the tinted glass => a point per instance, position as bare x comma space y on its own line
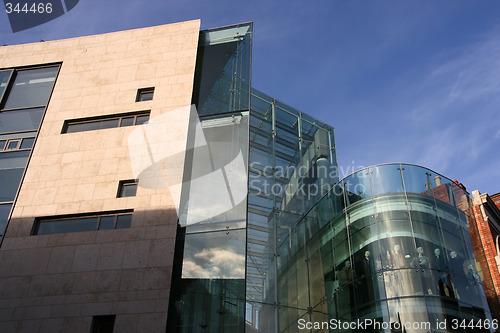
15, 159
141, 120
128, 190
4, 78
93, 125
67, 225
27, 143
145, 96
123, 221
13, 144
31, 88
107, 222
4, 214
9, 180
127, 121
2, 144
20, 120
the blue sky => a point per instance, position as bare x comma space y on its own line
401, 81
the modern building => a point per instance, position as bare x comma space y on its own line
146, 187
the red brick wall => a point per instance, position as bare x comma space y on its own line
484, 247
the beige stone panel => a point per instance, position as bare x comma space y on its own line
69, 170
25, 198
64, 194
91, 206
46, 210
44, 196
68, 208
89, 169
105, 190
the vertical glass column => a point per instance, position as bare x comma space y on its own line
209, 263
292, 164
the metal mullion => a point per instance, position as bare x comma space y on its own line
23, 108
7, 86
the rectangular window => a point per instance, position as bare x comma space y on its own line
145, 94
127, 188
31, 87
21, 120
103, 122
103, 324
82, 222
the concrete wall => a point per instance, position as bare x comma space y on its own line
56, 283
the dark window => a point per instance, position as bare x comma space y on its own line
4, 79
20, 120
27, 143
145, 94
31, 87
13, 144
127, 188
87, 222
4, 214
111, 121
16, 144
103, 324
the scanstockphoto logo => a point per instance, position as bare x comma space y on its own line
26, 14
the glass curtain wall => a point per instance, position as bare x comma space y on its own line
209, 263
388, 243
292, 163
24, 95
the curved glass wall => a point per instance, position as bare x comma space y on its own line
388, 243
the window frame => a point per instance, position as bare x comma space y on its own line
64, 218
127, 182
95, 119
143, 91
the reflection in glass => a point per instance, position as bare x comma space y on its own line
67, 225
215, 255
20, 120
4, 79
394, 256
4, 215
32, 87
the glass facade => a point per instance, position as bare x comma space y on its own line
292, 163
388, 243
24, 94
209, 263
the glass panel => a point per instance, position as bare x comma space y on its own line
386, 179
218, 169
9, 180
67, 225
20, 120
128, 190
15, 159
27, 143
31, 88
215, 255
2, 144
4, 80
145, 96
141, 119
107, 222
92, 125
4, 215
127, 121
223, 70
123, 221
417, 179
13, 144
